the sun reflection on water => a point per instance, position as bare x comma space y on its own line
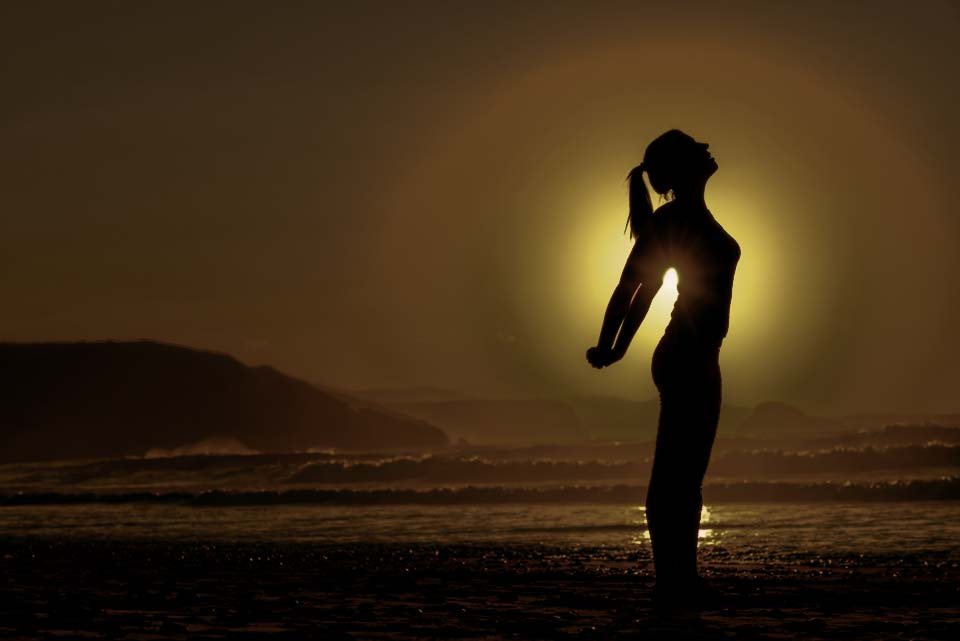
705, 536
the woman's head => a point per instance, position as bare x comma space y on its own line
676, 164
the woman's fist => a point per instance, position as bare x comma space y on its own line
600, 357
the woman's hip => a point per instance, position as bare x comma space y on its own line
679, 363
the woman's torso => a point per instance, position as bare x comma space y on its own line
705, 256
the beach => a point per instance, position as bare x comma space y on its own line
141, 589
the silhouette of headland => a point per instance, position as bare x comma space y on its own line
104, 399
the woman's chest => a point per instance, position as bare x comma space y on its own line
702, 246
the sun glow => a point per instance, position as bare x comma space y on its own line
583, 264
600, 248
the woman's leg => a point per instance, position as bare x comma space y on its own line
703, 431
689, 388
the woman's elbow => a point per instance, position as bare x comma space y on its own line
627, 287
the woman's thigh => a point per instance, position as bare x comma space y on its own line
690, 393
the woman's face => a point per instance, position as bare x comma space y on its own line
702, 159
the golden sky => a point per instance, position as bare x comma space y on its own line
393, 194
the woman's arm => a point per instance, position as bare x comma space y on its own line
617, 310
635, 315
626, 310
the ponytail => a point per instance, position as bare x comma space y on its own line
641, 208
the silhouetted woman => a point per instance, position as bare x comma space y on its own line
682, 234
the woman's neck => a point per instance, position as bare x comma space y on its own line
692, 199
692, 194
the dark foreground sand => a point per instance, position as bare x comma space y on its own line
73, 589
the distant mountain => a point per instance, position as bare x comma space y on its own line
477, 420
80, 400
876, 421
611, 418
566, 420
486, 421
500, 421
774, 419
617, 419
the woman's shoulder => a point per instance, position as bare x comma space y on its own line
665, 215
665, 209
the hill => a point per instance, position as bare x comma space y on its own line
97, 399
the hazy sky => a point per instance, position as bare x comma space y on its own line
432, 193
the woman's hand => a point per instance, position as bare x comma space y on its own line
601, 357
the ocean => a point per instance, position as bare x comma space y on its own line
836, 500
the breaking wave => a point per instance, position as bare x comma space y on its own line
168, 471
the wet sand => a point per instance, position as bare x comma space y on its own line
162, 590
